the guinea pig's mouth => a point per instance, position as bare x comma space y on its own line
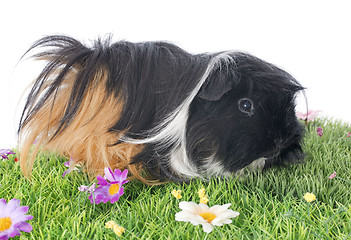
284, 153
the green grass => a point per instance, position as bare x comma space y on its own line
271, 203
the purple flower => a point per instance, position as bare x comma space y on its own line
5, 152
13, 219
320, 131
110, 188
71, 164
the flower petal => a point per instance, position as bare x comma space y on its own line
101, 181
102, 190
121, 191
123, 182
197, 219
109, 174
203, 207
207, 227
184, 216
220, 208
229, 214
19, 214
124, 175
12, 232
225, 217
115, 198
3, 203
3, 236
95, 198
12, 205
25, 227
220, 222
117, 175
189, 206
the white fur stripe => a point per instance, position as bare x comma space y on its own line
181, 165
173, 128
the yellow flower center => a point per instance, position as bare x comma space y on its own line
5, 223
113, 189
208, 216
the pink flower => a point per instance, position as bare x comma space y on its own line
309, 116
348, 134
83, 188
110, 188
13, 219
333, 175
320, 131
90, 189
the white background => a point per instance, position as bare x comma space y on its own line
309, 39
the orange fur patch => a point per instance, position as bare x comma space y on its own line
86, 138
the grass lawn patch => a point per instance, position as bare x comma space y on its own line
271, 203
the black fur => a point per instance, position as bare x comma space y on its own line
154, 79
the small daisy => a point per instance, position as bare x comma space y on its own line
206, 216
13, 219
110, 188
5, 152
309, 197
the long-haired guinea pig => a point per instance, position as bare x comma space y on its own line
157, 110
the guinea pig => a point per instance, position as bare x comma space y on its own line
158, 111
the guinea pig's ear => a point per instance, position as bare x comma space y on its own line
217, 84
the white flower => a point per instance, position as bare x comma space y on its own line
206, 216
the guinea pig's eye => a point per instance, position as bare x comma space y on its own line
246, 106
